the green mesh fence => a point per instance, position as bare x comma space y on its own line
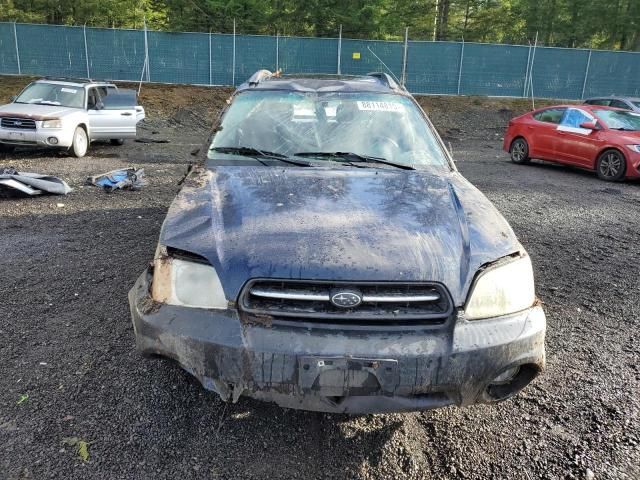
114, 54
433, 67
559, 72
308, 55
450, 68
51, 50
613, 73
8, 58
493, 69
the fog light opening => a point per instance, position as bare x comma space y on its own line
509, 382
52, 140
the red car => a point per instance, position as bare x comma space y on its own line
598, 138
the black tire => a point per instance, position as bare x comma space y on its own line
519, 151
117, 141
80, 143
611, 166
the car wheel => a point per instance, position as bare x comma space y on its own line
80, 143
519, 151
117, 141
611, 166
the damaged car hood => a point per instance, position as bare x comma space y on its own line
337, 224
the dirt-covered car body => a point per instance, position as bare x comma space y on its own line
69, 113
338, 289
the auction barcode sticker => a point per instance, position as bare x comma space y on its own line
68, 90
381, 106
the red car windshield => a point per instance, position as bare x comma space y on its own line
619, 120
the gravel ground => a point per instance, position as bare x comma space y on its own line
66, 340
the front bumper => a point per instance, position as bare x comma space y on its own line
39, 137
339, 371
633, 164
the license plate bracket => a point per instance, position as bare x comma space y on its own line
343, 372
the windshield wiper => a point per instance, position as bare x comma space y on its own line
625, 129
354, 157
257, 154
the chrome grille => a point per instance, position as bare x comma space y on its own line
385, 303
18, 123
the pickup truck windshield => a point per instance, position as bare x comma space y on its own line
368, 124
41, 93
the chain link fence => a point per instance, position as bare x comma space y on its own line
449, 68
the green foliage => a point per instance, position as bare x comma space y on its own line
570, 23
81, 446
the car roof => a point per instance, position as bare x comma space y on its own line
580, 105
614, 97
76, 82
373, 82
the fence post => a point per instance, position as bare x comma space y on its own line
404, 56
460, 68
526, 74
533, 59
586, 75
210, 82
277, 51
340, 50
233, 60
15, 36
146, 51
86, 49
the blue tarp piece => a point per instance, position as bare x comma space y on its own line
125, 178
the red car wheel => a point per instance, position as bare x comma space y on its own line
519, 151
611, 165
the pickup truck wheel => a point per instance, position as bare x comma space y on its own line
519, 151
611, 166
80, 143
117, 141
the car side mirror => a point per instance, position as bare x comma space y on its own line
589, 125
98, 106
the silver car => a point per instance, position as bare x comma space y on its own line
70, 114
628, 103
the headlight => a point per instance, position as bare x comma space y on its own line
635, 148
502, 289
185, 283
55, 123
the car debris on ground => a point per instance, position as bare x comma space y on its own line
12, 181
124, 178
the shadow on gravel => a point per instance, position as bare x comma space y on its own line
555, 167
260, 439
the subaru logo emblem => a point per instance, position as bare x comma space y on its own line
17, 122
346, 298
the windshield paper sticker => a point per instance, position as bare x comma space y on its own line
381, 106
69, 90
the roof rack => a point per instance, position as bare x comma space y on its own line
386, 79
69, 79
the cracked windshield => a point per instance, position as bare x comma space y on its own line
388, 127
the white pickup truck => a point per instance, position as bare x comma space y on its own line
69, 113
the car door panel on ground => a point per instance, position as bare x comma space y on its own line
542, 132
575, 144
114, 115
